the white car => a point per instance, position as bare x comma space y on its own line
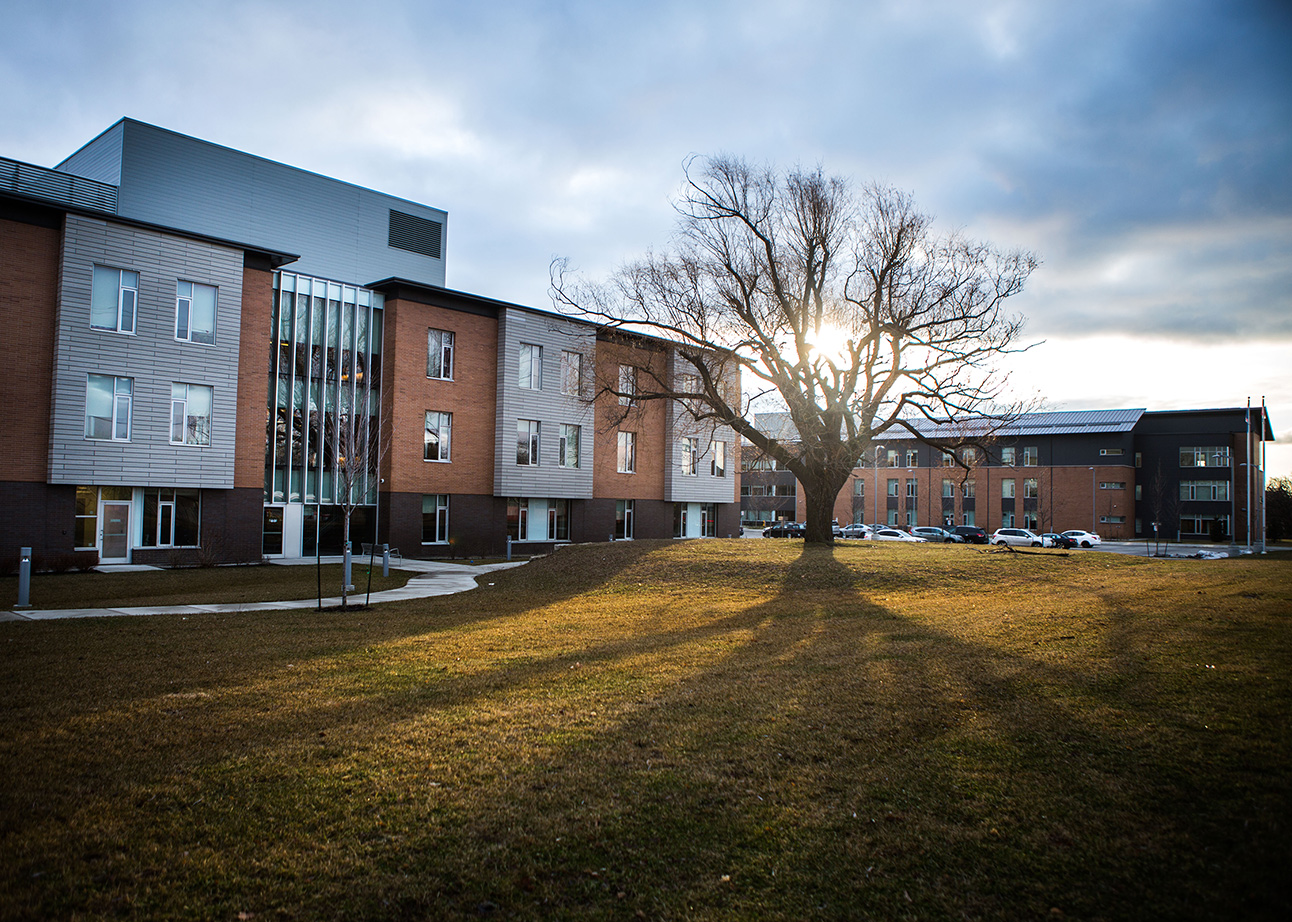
856, 531
933, 533
893, 534
1017, 537
1083, 538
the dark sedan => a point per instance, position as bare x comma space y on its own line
785, 530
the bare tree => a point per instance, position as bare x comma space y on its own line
843, 303
355, 437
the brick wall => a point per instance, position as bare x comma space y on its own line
646, 418
29, 257
255, 336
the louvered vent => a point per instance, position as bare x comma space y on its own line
417, 235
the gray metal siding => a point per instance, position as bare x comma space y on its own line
152, 357
549, 406
100, 159
339, 230
703, 487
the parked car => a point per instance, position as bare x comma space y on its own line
1083, 538
894, 534
856, 531
785, 530
972, 534
1055, 540
1017, 537
933, 533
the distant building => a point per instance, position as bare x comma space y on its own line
1195, 473
189, 322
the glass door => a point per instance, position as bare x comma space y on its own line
115, 547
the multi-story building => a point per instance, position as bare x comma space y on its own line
207, 343
1189, 473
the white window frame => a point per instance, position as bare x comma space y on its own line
627, 385
627, 452
689, 456
624, 514
189, 295
530, 367
1031, 456
571, 373
718, 462
1007, 488
439, 424
912, 457
440, 344
439, 503
528, 432
1031, 488
119, 422
121, 297
181, 419
568, 449
1007, 456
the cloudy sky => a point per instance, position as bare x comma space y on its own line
1142, 148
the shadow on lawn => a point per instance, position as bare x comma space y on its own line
811, 755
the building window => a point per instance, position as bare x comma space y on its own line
435, 518
969, 455
1206, 490
948, 459
571, 373
1007, 520
969, 517
1031, 456
527, 442
1113, 519
1139, 459
912, 457
518, 518
1031, 521
531, 367
967, 491
893, 458
1112, 485
558, 519
1201, 524
1007, 457
910, 518
718, 459
1213, 456
190, 414
912, 488
1031, 489
689, 456
709, 520
627, 385
114, 298
1007, 488
439, 354
627, 452
859, 488
568, 449
171, 518
623, 519
892, 486
87, 518
107, 407
1110, 452
439, 436
195, 312
948, 489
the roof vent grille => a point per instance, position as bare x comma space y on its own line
417, 235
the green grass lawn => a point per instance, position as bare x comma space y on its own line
657, 730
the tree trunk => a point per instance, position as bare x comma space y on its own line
345, 543
819, 494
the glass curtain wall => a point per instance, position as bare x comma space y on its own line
323, 420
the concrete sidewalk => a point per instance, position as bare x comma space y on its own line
433, 578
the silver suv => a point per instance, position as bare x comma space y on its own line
1017, 537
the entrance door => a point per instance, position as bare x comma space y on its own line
116, 533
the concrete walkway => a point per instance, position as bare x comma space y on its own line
433, 578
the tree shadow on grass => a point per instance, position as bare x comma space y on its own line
805, 753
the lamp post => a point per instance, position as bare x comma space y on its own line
1093, 513
878, 449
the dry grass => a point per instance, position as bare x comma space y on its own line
184, 587
700, 730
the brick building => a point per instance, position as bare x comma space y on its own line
192, 327
1195, 473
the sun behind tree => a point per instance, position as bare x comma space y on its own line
842, 302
